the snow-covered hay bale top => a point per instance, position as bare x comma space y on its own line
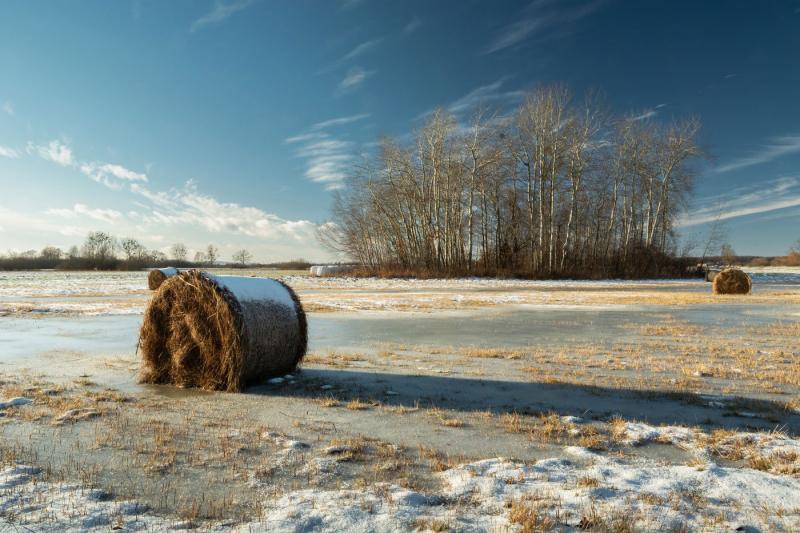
328, 270
221, 332
732, 281
158, 276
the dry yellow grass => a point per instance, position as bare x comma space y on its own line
357, 405
329, 402
530, 515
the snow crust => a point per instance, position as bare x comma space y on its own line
245, 288
651, 494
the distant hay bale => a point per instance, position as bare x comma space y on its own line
221, 332
158, 276
732, 281
328, 270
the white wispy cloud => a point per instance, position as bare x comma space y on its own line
187, 206
483, 95
8, 109
328, 159
7, 151
490, 93
301, 138
542, 18
354, 78
413, 25
220, 12
358, 51
514, 33
195, 212
775, 148
361, 49
777, 194
81, 210
645, 115
22, 222
341, 121
55, 151
110, 175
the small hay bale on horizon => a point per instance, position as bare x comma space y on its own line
732, 281
328, 270
221, 333
159, 275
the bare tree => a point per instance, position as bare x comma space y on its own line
51, 253
179, 251
553, 191
211, 254
717, 233
242, 257
99, 246
132, 248
158, 256
199, 257
727, 254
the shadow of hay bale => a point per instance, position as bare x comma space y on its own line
221, 332
732, 281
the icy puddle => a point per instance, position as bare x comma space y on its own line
71, 346
523, 325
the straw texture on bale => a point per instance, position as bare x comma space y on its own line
198, 333
732, 281
158, 276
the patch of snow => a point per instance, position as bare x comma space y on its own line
284, 441
474, 496
169, 271
13, 402
638, 433
245, 288
30, 504
76, 415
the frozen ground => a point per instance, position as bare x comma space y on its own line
430, 405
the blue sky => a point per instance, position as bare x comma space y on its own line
231, 121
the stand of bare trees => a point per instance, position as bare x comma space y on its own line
558, 188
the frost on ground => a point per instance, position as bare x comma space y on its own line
29, 504
579, 490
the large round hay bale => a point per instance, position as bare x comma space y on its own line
221, 332
732, 281
158, 276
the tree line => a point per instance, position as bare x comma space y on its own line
103, 251
559, 187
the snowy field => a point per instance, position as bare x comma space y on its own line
468, 405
